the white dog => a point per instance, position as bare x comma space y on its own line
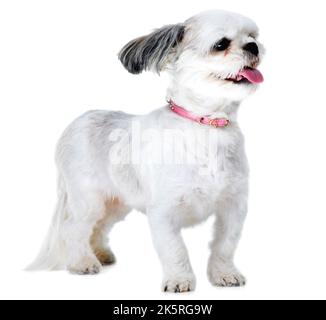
179, 164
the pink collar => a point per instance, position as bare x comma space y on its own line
217, 122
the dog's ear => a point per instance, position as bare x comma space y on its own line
152, 51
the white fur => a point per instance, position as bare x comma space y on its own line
101, 179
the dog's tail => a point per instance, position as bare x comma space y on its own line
51, 256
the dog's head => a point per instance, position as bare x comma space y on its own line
213, 55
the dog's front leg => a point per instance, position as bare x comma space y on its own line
227, 231
178, 274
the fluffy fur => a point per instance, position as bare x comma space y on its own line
176, 171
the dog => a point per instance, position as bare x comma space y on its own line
179, 164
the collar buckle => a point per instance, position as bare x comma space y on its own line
219, 123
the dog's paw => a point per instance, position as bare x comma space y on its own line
106, 257
179, 284
87, 266
227, 279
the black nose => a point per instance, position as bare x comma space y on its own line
252, 48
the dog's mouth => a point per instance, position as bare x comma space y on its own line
247, 75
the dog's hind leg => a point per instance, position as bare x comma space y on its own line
115, 212
84, 209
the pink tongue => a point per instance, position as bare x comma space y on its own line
252, 75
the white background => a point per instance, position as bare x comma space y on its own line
59, 59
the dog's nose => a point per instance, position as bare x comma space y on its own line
252, 48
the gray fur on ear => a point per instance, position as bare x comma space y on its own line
150, 52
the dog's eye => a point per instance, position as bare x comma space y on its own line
222, 45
